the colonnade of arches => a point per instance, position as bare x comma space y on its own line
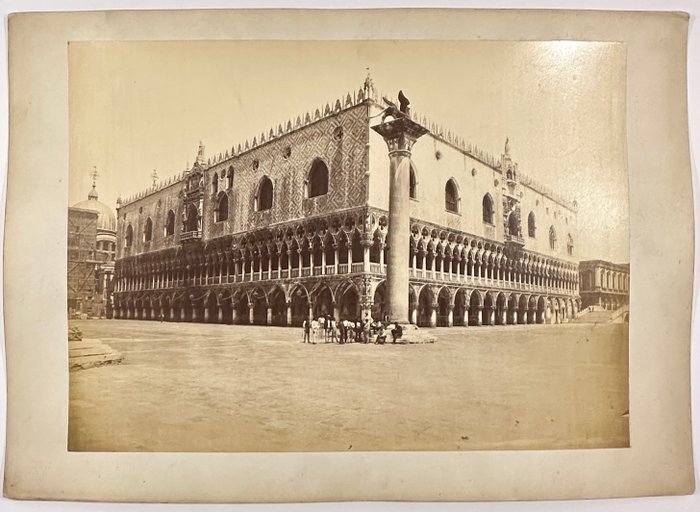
289, 305
353, 244
256, 305
434, 306
442, 255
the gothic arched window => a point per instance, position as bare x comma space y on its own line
570, 245
215, 184
170, 223
552, 238
129, 237
229, 176
513, 225
318, 178
451, 196
263, 199
487, 208
192, 218
148, 230
531, 226
412, 184
221, 212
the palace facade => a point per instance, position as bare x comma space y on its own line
294, 223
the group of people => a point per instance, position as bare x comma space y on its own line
326, 329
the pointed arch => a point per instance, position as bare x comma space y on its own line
451, 196
129, 237
264, 195
318, 178
148, 230
170, 223
229, 177
531, 225
487, 208
513, 224
221, 211
192, 218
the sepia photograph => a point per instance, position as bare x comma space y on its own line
347, 245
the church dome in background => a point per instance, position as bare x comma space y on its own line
106, 218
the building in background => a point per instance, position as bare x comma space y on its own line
294, 223
604, 284
92, 238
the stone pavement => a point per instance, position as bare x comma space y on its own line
197, 387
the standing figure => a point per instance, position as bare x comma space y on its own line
341, 328
306, 326
358, 331
314, 330
322, 325
333, 333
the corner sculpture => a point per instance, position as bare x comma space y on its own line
394, 110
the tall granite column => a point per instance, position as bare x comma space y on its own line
399, 134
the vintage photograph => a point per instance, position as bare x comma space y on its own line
311, 246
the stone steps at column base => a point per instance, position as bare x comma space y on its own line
412, 334
89, 353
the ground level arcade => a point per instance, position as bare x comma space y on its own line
288, 303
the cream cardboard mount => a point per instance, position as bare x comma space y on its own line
658, 460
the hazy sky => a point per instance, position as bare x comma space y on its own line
139, 106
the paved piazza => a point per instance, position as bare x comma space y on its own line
210, 387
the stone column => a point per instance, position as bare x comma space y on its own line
234, 313
335, 259
399, 134
433, 315
206, 314
171, 317
220, 316
366, 245
450, 315
289, 313
269, 316
251, 313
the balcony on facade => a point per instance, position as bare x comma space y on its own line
189, 236
439, 272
